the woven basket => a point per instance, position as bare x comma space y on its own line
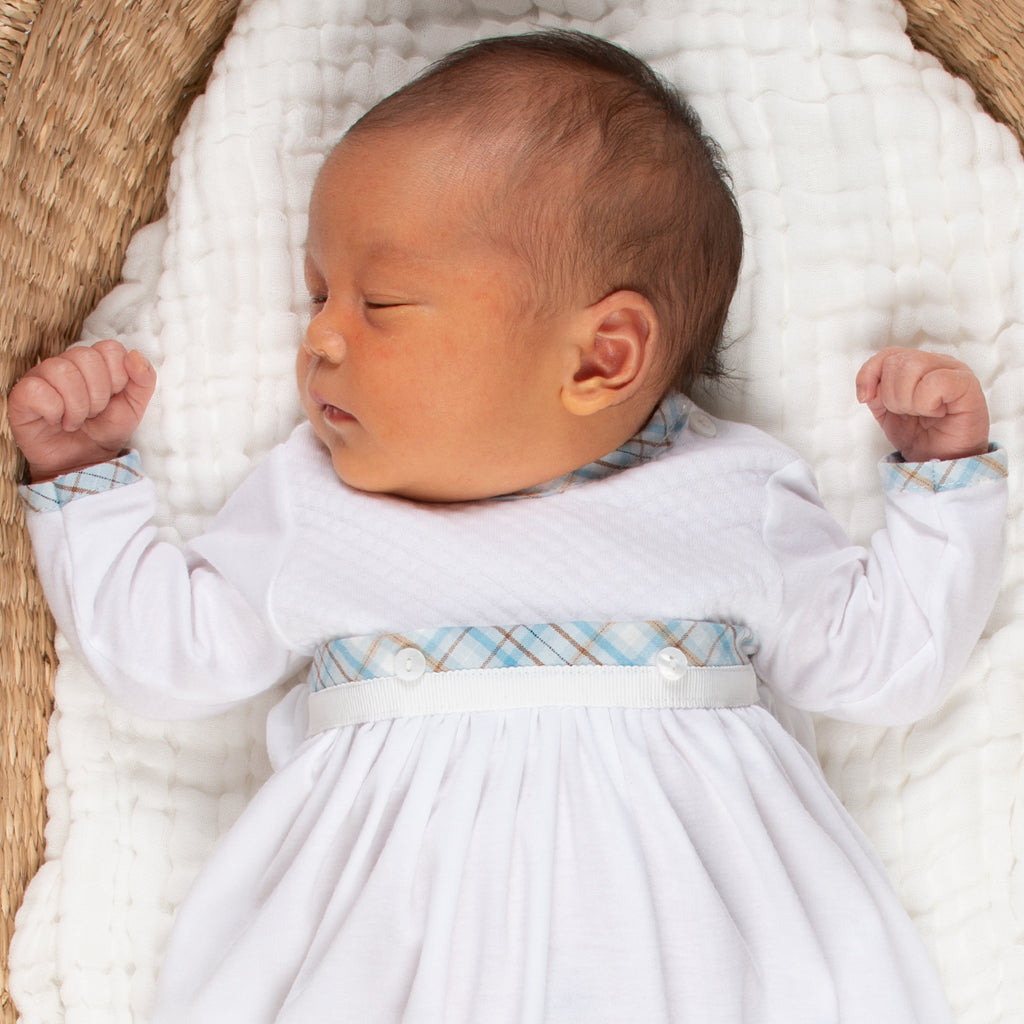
92, 94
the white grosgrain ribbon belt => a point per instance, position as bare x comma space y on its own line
511, 689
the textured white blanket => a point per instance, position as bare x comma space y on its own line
880, 206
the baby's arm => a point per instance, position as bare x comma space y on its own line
879, 634
79, 408
930, 406
171, 631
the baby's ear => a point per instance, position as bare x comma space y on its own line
613, 352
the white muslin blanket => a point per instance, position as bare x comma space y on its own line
881, 207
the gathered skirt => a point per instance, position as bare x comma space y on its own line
556, 865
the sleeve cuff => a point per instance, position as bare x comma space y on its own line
106, 476
935, 476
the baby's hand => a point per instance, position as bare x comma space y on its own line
80, 408
930, 406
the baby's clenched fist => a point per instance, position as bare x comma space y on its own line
79, 408
930, 406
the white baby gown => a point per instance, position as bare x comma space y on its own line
514, 824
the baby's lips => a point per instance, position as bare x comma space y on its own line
328, 409
335, 414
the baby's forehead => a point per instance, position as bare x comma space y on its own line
440, 180
477, 163
503, 167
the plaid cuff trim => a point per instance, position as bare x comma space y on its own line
106, 476
550, 644
935, 476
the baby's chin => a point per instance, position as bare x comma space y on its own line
362, 465
438, 490
375, 479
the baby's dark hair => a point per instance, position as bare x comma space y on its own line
611, 181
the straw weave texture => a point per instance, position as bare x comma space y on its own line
91, 96
982, 41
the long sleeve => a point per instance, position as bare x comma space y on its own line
170, 631
879, 634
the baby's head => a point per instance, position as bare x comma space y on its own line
565, 203
602, 179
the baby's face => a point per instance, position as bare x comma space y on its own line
420, 371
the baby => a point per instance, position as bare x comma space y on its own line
545, 604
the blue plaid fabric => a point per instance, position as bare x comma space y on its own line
932, 477
651, 441
55, 494
551, 644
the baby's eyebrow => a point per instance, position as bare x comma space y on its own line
382, 252
392, 253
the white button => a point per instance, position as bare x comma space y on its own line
410, 664
701, 423
671, 663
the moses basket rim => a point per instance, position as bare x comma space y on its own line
91, 96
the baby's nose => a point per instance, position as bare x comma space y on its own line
324, 342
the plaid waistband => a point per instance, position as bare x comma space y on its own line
697, 643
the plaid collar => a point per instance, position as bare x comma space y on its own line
653, 439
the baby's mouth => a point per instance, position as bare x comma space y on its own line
334, 415
331, 413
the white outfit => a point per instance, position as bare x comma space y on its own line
544, 863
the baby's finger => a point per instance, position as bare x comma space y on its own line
114, 355
869, 375
33, 399
902, 372
63, 375
941, 389
93, 367
140, 383
128, 407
